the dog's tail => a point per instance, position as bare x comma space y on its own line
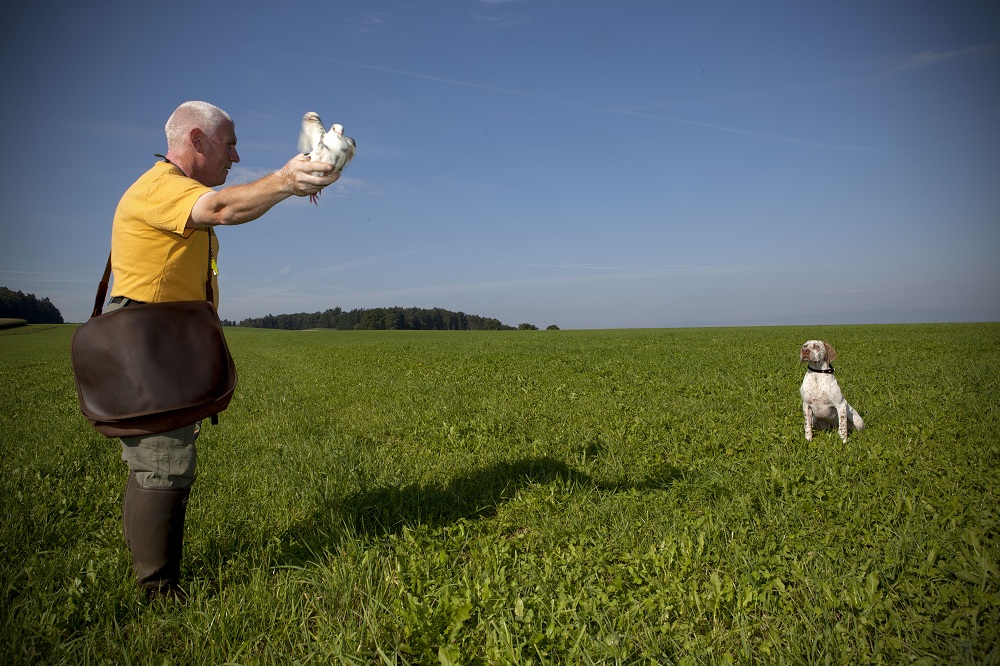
854, 420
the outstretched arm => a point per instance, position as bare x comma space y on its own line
242, 203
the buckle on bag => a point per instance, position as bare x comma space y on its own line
125, 301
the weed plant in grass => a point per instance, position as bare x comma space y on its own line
549, 497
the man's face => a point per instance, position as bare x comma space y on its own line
218, 153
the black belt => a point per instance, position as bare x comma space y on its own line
126, 301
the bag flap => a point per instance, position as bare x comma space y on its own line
147, 358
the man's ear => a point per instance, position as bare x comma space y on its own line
197, 138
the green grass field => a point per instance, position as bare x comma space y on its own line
548, 497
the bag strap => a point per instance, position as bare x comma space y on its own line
209, 294
102, 287
102, 290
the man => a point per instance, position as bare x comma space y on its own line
161, 247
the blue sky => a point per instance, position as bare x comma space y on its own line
580, 163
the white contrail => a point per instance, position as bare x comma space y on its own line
555, 100
598, 109
632, 269
374, 259
929, 58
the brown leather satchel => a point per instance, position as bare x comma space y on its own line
152, 367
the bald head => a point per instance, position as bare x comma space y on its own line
193, 115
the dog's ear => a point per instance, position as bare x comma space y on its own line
831, 353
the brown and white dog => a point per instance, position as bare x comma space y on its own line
823, 404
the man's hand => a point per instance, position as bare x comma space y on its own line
306, 177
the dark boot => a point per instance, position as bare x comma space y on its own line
153, 522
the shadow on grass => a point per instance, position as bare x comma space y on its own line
382, 511
478, 495
377, 512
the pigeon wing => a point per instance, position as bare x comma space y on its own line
312, 132
351, 147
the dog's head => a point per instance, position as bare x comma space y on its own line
817, 351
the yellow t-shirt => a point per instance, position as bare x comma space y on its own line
154, 258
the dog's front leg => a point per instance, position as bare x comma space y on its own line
842, 421
807, 413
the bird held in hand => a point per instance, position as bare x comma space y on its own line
323, 146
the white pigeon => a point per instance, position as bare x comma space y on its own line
322, 146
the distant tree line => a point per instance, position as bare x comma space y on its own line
378, 319
18, 305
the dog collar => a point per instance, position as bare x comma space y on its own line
828, 371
